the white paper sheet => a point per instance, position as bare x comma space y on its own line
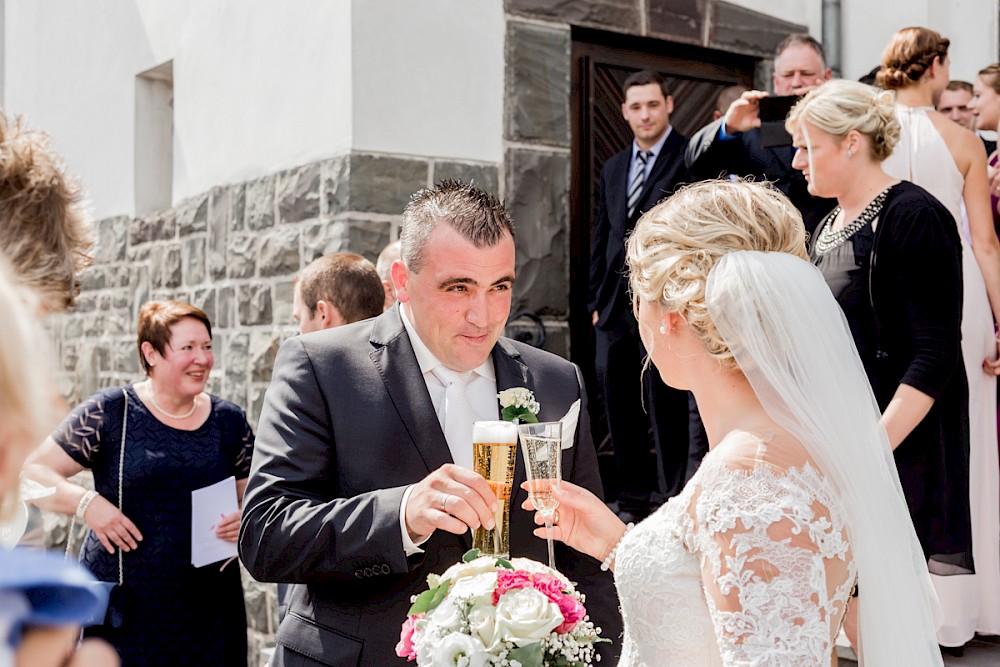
208, 506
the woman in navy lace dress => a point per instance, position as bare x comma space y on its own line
178, 438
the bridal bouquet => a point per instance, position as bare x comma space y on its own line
493, 612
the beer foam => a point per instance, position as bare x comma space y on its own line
494, 431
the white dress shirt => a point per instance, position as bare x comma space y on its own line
482, 393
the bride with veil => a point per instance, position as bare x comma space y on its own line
798, 500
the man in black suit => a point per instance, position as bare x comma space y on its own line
631, 183
740, 144
361, 483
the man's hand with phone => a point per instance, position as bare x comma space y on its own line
744, 112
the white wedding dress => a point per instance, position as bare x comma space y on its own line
749, 565
970, 603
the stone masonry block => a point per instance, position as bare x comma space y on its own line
263, 348
608, 14
381, 184
260, 203
220, 205
111, 234
159, 226
254, 305
483, 176
538, 84
336, 178
242, 256
192, 215
193, 260
679, 20
538, 183
298, 193
279, 252
365, 237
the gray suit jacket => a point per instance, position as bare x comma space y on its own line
347, 425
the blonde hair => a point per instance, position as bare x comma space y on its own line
839, 107
28, 400
909, 55
676, 244
43, 230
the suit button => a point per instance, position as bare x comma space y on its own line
385, 569
358, 574
368, 572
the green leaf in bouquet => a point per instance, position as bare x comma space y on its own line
429, 599
528, 656
523, 415
504, 563
470, 555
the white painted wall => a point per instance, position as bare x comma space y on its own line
971, 25
429, 77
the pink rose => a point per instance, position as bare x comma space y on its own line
548, 585
404, 649
509, 580
572, 611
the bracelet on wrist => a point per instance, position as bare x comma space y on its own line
610, 558
84, 503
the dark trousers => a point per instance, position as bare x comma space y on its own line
645, 479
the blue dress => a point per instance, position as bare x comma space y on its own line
173, 612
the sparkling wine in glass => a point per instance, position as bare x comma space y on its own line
541, 446
494, 451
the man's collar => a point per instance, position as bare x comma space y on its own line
654, 150
426, 359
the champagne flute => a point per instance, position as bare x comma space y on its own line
541, 445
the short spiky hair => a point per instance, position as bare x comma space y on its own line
801, 39
43, 230
475, 214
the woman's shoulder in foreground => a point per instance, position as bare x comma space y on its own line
751, 449
226, 408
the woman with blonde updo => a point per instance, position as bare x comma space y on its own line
949, 162
797, 499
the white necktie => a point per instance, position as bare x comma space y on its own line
458, 414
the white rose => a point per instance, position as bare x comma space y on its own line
525, 616
458, 649
482, 622
477, 589
447, 615
477, 566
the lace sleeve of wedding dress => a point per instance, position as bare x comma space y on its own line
776, 565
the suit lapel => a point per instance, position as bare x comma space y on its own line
393, 357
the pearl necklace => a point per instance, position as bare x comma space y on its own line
194, 406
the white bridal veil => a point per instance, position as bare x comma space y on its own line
791, 340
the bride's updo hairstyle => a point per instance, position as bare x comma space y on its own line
839, 107
676, 244
909, 55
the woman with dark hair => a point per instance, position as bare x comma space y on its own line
149, 446
949, 162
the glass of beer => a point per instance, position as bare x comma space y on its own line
541, 446
494, 451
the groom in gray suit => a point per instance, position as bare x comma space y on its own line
355, 490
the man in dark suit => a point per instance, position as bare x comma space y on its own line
361, 483
740, 144
632, 181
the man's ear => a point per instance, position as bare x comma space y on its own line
400, 280
670, 104
323, 313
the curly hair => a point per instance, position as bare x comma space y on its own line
839, 107
910, 53
43, 230
677, 242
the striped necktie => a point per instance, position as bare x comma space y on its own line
635, 187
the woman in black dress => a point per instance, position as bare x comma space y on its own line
891, 254
178, 438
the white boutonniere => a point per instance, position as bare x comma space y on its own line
519, 404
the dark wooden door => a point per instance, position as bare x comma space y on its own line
600, 64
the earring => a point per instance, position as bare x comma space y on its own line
663, 328
850, 154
